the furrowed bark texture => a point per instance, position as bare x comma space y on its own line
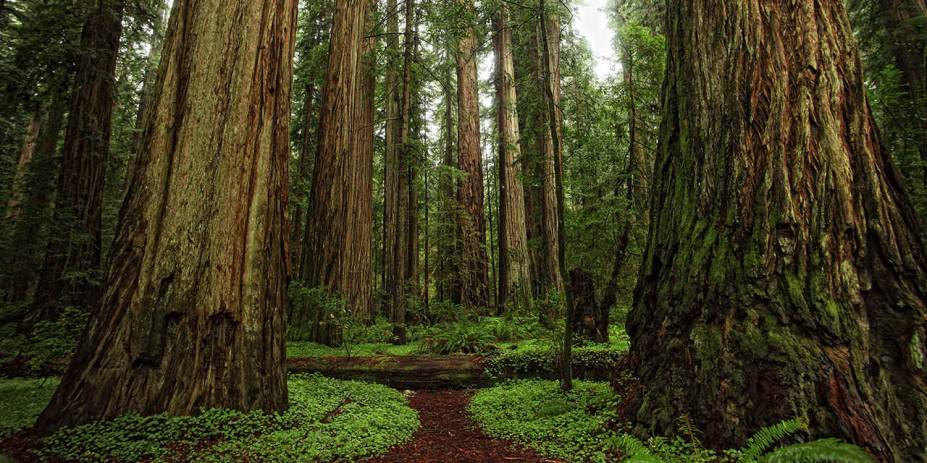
337, 186
22, 167
72, 259
783, 275
193, 315
514, 261
360, 205
474, 269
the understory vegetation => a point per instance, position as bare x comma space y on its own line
583, 426
328, 420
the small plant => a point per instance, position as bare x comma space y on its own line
458, 338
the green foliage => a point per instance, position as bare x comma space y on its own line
538, 414
22, 400
302, 349
458, 338
50, 341
821, 450
313, 311
542, 356
328, 420
766, 438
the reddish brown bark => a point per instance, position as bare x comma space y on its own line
193, 315
784, 275
474, 270
514, 260
337, 187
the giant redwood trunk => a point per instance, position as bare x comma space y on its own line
474, 269
514, 260
193, 315
72, 260
335, 260
783, 276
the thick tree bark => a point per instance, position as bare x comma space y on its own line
70, 272
784, 275
361, 204
906, 23
474, 270
338, 190
514, 260
589, 319
193, 315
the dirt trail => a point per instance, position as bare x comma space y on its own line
448, 435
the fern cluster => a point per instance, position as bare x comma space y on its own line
761, 448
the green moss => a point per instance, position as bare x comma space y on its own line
917, 351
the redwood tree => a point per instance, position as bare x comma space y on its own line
72, 259
783, 276
336, 228
193, 315
474, 270
514, 261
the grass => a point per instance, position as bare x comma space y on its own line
22, 400
328, 420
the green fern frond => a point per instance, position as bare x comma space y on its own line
765, 438
634, 450
830, 450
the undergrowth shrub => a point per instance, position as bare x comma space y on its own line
50, 341
543, 357
458, 338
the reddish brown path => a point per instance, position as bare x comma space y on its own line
448, 435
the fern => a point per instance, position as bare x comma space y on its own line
634, 450
823, 450
765, 438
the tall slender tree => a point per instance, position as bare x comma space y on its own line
71, 269
193, 312
337, 189
474, 269
514, 261
784, 275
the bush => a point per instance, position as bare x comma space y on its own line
328, 420
458, 338
540, 357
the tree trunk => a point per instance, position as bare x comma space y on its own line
193, 315
22, 167
446, 268
514, 261
784, 275
391, 166
361, 204
474, 271
337, 186
70, 273
906, 23
589, 319
38, 189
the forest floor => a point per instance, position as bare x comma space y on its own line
447, 434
